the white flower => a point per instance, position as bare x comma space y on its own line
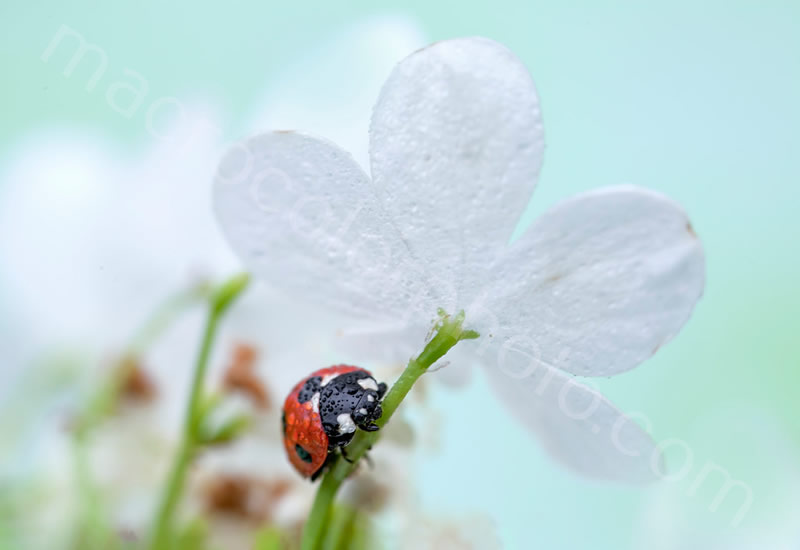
593, 288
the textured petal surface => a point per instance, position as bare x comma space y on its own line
387, 345
301, 214
578, 426
599, 283
456, 146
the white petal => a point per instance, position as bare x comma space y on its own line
456, 145
394, 345
300, 213
578, 426
455, 369
600, 282
390, 344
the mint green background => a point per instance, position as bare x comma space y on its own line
698, 101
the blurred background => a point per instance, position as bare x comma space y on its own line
105, 166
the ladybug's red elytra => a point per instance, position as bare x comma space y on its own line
322, 412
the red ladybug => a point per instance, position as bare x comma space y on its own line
322, 412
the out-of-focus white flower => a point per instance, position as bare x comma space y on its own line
596, 286
92, 238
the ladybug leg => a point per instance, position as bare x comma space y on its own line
382, 387
344, 455
367, 458
339, 441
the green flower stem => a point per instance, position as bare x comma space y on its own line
219, 302
341, 529
448, 331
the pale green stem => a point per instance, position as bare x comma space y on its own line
163, 523
341, 528
448, 332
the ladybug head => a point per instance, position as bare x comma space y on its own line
349, 400
368, 408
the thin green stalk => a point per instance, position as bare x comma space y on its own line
190, 442
447, 333
163, 529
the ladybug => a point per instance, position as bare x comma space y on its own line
322, 412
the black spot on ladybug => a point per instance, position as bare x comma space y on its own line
304, 455
308, 390
283, 423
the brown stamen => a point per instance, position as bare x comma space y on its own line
241, 376
245, 496
136, 384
